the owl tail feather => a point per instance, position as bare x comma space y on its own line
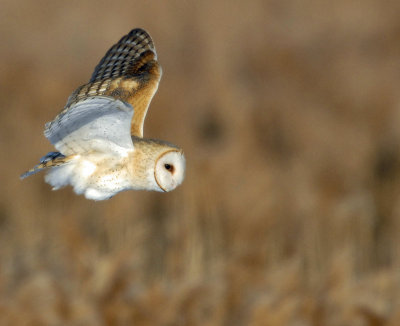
51, 159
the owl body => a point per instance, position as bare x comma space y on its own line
100, 176
99, 133
97, 176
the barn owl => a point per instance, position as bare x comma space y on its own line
99, 133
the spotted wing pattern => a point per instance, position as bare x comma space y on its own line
128, 72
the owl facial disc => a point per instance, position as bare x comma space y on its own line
169, 170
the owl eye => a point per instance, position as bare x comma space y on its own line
169, 167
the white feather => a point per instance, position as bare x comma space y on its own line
92, 175
87, 169
95, 124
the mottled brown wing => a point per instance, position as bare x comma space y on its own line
129, 72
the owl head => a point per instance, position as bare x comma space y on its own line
169, 170
158, 165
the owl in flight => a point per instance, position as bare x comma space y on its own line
99, 134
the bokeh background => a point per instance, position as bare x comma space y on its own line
289, 114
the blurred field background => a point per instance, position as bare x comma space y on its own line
289, 115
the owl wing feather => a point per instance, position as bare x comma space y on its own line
128, 72
94, 124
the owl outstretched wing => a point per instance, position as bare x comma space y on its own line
128, 72
96, 123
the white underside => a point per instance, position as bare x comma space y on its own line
85, 176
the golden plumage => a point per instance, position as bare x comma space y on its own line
128, 72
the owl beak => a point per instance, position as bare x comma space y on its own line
163, 189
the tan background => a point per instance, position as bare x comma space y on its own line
289, 115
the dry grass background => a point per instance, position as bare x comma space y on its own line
289, 114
